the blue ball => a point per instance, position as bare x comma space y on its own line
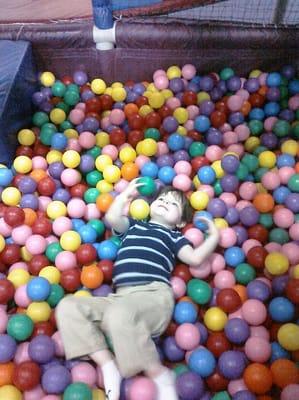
6, 176
271, 109
202, 123
87, 233
278, 352
107, 250
257, 113
77, 223
285, 160
280, 194
166, 174
203, 362
234, 256
175, 142
185, 311
200, 224
294, 86
59, 141
273, 79
281, 309
206, 175
150, 169
38, 289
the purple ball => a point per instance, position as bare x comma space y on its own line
131, 96
203, 332
279, 284
38, 98
206, 83
231, 364
214, 136
172, 351
188, 142
269, 140
102, 291
217, 208
86, 163
244, 395
170, 124
258, 290
55, 169
87, 95
236, 118
287, 115
206, 396
206, 107
47, 92
221, 85
230, 164
232, 216
139, 88
46, 106
216, 94
53, 362
176, 85
229, 183
190, 386
213, 300
237, 330
56, 379
233, 83
69, 364
252, 85
120, 105
249, 216
165, 160
80, 77
8, 348
27, 185
241, 233
29, 201
62, 195
292, 202
41, 349
181, 155
91, 124
273, 93
193, 87
288, 71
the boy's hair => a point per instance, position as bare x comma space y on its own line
187, 209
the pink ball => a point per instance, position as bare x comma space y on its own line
291, 250
243, 132
294, 231
187, 336
65, 260
105, 122
260, 332
161, 82
21, 354
141, 160
80, 106
20, 234
51, 397
230, 137
271, 180
248, 244
59, 348
76, 116
189, 125
257, 349
230, 199
188, 71
290, 392
159, 72
193, 111
285, 174
228, 237
182, 182
3, 320
236, 314
236, 148
51, 239
178, 287
117, 116
39, 162
61, 224
242, 204
214, 153
120, 185
203, 270
243, 93
247, 190
84, 372
34, 394
142, 388
43, 202
73, 144
269, 123
70, 177
224, 279
272, 247
217, 262
5, 229
36, 244
91, 212
235, 386
263, 78
173, 103
111, 151
76, 208
18, 265
162, 149
195, 236
21, 298
294, 103
87, 140
283, 218
225, 127
254, 312
183, 167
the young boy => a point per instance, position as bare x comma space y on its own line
143, 303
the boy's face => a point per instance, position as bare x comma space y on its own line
167, 209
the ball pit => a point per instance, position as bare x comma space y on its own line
231, 144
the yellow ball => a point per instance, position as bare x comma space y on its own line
267, 159
117, 84
56, 209
139, 147
167, 93
2, 243
173, 72
82, 293
51, 273
18, 277
276, 263
102, 139
54, 156
119, 94
196, 182
108, 91
295, 272
216, 165
98, 394
71, 133
149, 147
11, 196
26, 137
22, 164
290, 146
215, 319
57, 116
255, 73
220, 223
98, 86
127, 154
182, 130
111, 173
152, 88
39, 311
181, 115
104, 187
102, 162
202, 96
47, 79
144, 110
156, 100
199, 200
288, 337
71, 159
139, 209
251, 144
10, 392
70, 240
25, 255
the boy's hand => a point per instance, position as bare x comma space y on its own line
212, 229
131, 190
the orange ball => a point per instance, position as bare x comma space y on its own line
265, 397
130, 109
30, 216
246, 108
38, 174
263, 90
104, 201
91, 276
263, 202
129, 171
6, 372
241, 290
284, 372
258, 378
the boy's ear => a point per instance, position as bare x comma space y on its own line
181, 224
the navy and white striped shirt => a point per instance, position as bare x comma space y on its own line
147, 254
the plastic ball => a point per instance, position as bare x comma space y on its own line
276, 263
70, 240
38, 289
39, 311
11, 196
185, 312
187, 336
202, 362
20, 327
254, 312
10, 392
258, 378
148, 187
288, 335
215, 319
139, 209
143, 388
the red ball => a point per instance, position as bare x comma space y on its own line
26, 375
189, 98
256, 257
217, 343
171, 329
152, 120
141, 101
165, 111
40, 149
3, 207
106, 102
78, 190
193, 134
7, 291
117, 137
216, 382
218, 118
256, 100
10, 254
228, 300
135, 136
46, 186
136, 121
42, 226
182, 271
43, 328
14, 216
67, 79
24, 151
106, 267
258, 232
198, 162
86, 254
292, 290
70, 279
37, 263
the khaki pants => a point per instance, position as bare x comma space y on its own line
130, 318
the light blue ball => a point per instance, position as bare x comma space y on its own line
206, 175
6, 176
175, 142
150, 169
87, 233
202, 123
273, 79
234, 256
107, 250
38, 289
202, 362
281, 309
185, 311
166, 174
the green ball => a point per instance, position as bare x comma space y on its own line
197, 149
152, 133
93, 177
217, 188
295, 127
226, 73
283, 104
65, 125
71, 97
116, 240
91, 195
95, 151
180, 369
259, 149
242, 172
293, 183
73, 87
284, 92
221, 396
52, 250
77, 391
63, 107
58, 89
98, 225
20, 327
281, 128
46, 133
296, 217
256, 127
266, 220
279, 235
244, 273
251, 162
149, 186
40, 118
56, 294
258, 174
199, 291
